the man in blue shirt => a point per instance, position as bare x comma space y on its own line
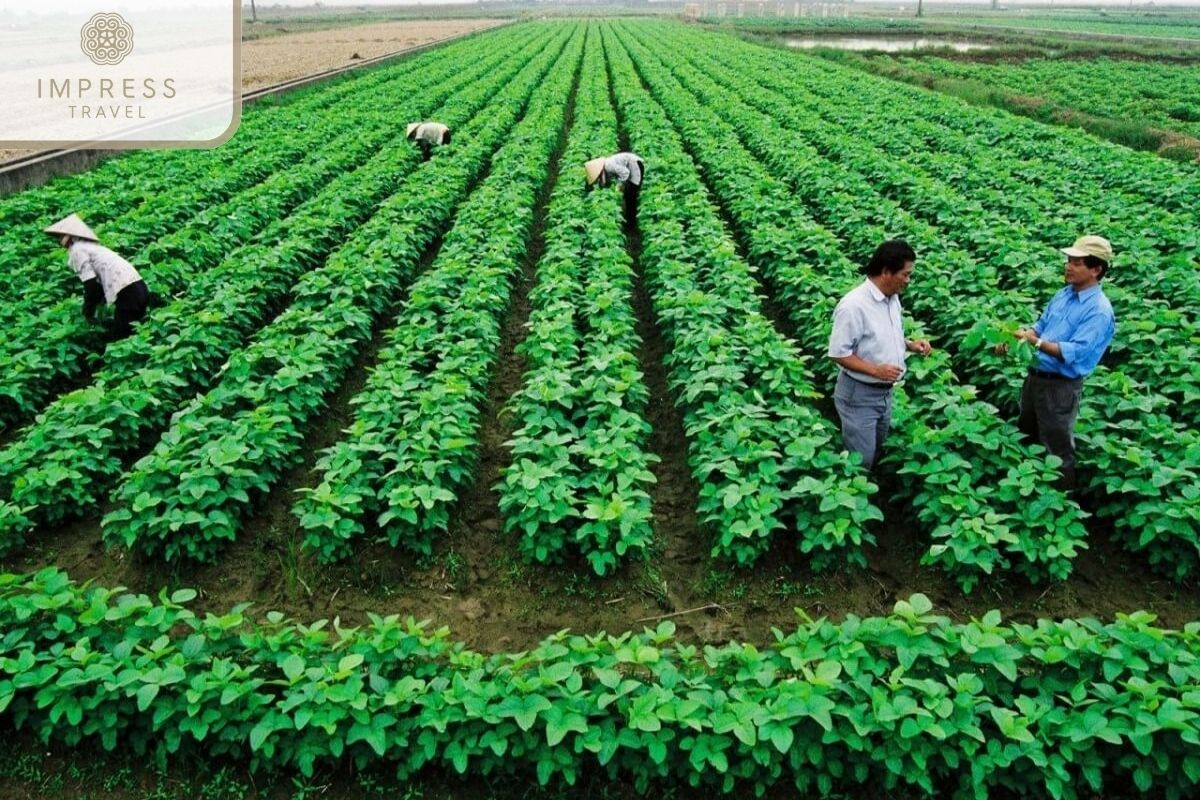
1070, 338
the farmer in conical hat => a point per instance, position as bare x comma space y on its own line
427, 135
106, 276
626, 170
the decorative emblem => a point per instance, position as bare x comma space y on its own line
106, 39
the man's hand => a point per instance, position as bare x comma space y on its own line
1022, 335
921, 347
1026, 335
888, 373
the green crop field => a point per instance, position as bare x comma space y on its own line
1156, 26
1164, 95
598, 455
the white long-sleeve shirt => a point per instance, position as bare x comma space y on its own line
623, 168
92, 260
432, 132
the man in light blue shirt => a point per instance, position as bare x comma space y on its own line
867, 342
1070, 338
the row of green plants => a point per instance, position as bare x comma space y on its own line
766, 460
415, 437
966, 473
66, 463
1182, 26
907, 702
48, 349
579, 477
1138, 450
139, 182
189, 496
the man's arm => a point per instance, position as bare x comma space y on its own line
888, 373
1092, 332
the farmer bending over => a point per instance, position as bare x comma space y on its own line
427, 135
106, 277
626, 170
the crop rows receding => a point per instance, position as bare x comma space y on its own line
770, 183
278, 273
317, 257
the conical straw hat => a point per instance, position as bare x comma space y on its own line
594, 168
412, 126
72, 226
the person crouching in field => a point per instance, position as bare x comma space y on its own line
868, 343
106, 277
626, 170
1070, 338
428, 135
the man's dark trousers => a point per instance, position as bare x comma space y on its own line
1049, 406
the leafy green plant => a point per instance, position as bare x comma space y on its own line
905, 702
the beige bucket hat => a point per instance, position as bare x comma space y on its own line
412, 126
594, 168
72, 226
1096, 246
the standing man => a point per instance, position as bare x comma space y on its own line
427, 135
626, 170
107, 278
868, 344
1070, 338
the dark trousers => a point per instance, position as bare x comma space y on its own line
631, 203
1048, 410
128, 308
426, 149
